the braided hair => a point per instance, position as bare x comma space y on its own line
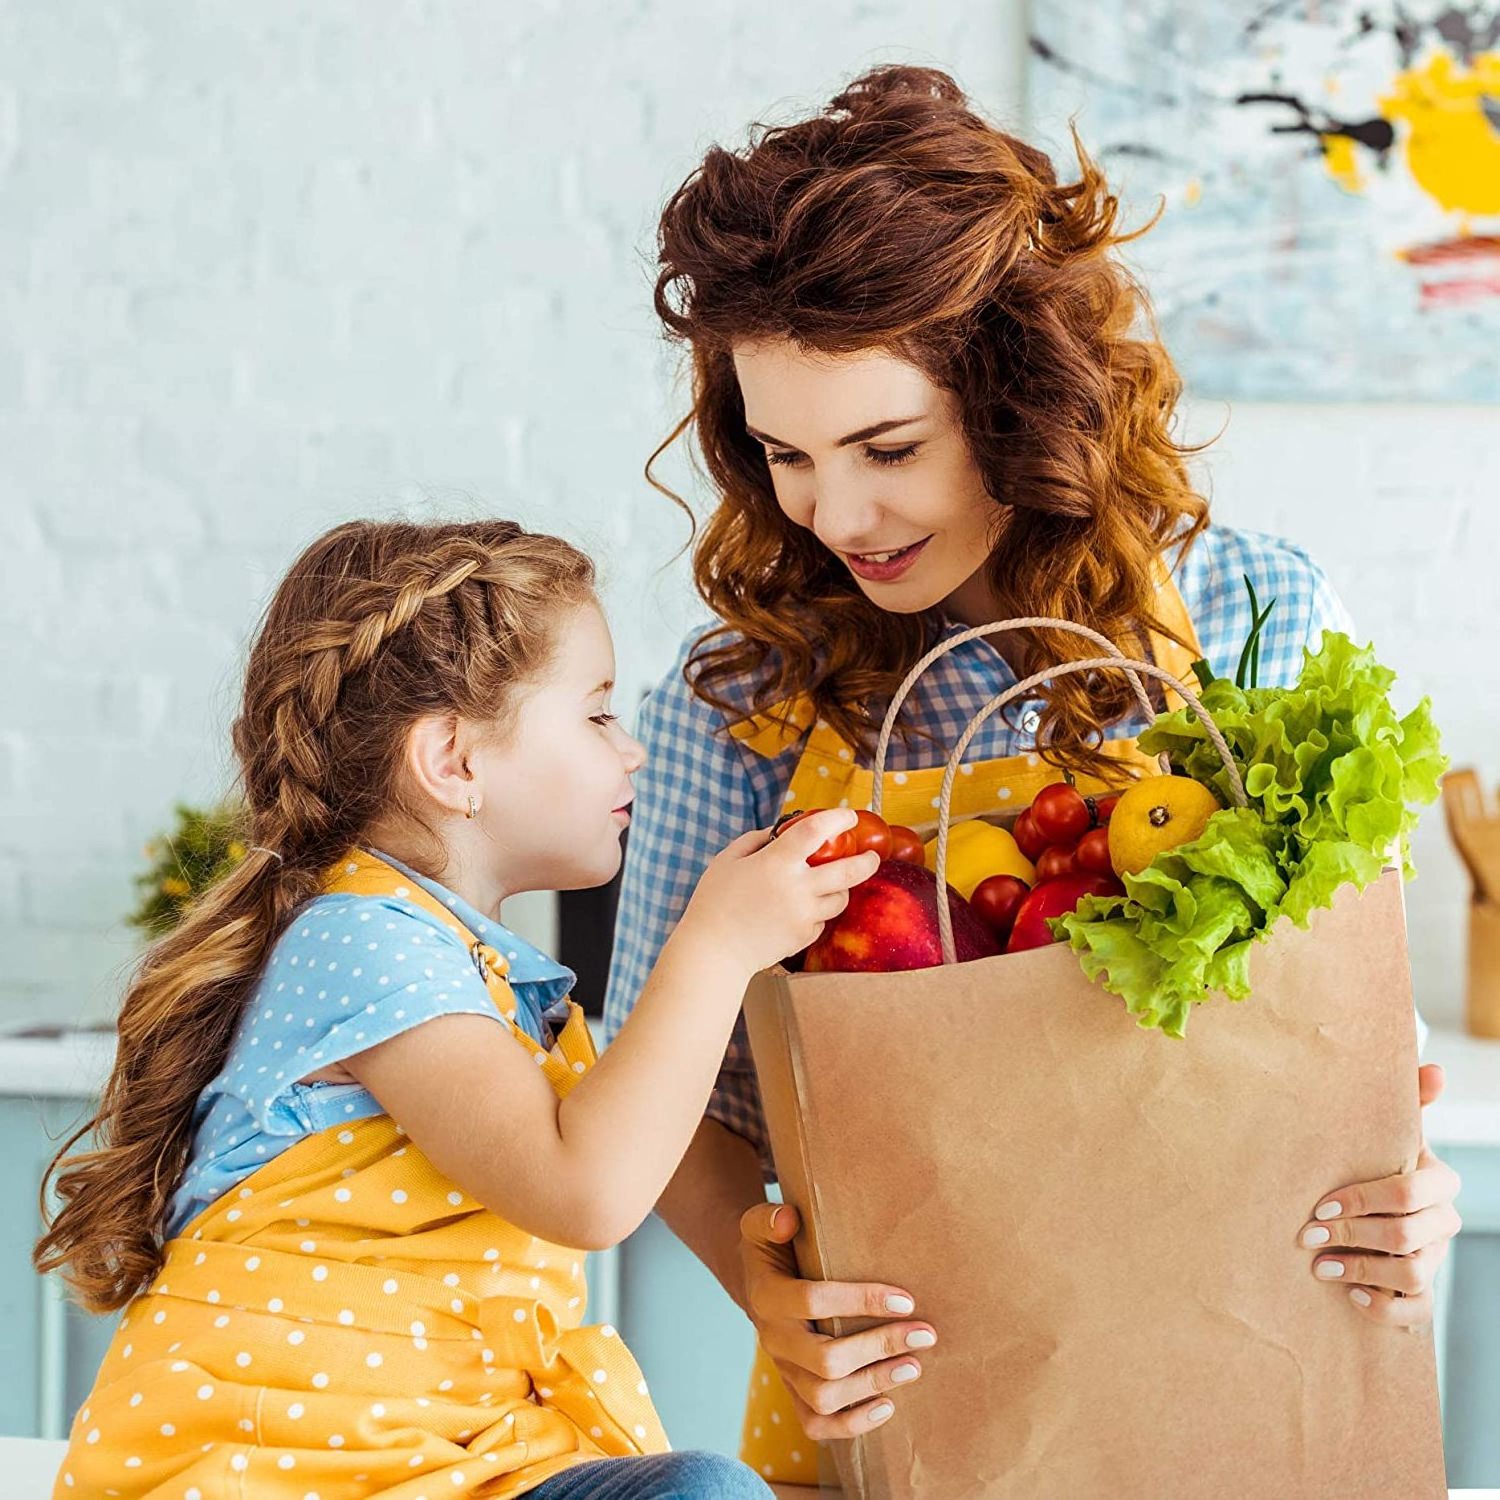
377, 625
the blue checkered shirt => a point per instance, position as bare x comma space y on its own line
700, 788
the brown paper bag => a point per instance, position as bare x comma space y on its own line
1102, 1223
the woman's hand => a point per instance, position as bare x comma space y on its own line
837, 1385
762, 901
1385, 1240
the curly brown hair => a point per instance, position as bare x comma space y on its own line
377, 625
898, 219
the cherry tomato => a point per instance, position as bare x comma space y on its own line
906, 846
1092, 855
1057, 859
1028, 840
997, 900
1059, 814
840, 846
1104, 808
872, 833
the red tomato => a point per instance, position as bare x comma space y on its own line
1055, 898
840, 846
906, 846
872, 832
1059, 814
1104, 808
1092, 855
1057, 859
1028, 840
997, 900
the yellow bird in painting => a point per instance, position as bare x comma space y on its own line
1452, 138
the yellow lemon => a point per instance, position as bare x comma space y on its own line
1157, 813
977, 850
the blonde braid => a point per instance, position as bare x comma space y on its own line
306, 677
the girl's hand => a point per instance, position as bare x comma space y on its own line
761, 900
1385, 1240
838, 1385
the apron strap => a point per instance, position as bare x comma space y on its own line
361, 873
1172, 611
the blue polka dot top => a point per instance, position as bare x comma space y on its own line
349, 972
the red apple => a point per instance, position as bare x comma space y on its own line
1055, 898
891, 923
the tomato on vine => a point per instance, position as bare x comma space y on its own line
1059, 814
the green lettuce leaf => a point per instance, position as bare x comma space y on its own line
1334, 780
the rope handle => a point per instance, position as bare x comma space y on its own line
888, 729
1096, 664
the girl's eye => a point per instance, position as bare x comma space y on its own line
604, 720
782, 456
892, 455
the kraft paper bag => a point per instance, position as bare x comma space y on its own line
1102, 1222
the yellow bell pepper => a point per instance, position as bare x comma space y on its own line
977, 850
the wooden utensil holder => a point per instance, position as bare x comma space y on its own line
1482, 1000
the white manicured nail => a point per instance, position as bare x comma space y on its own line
919, 1338
1330, 1270
881, 1413
904, 1374
900, 1305
1316, 1235
1328, 1210
1359, 1296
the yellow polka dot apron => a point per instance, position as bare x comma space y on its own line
828, 775
348, 1322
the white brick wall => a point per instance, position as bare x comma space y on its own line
265, 267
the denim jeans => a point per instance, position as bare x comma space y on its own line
658, 1476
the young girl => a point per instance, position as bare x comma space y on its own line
356, 1144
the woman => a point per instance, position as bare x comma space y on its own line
928, 397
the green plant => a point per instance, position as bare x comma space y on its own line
203, 847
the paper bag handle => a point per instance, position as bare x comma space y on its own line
888, 729
1067, 669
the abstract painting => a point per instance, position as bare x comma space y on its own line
1328, 174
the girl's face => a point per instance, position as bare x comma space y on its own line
869, 455
555, 792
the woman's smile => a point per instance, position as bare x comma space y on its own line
885, 567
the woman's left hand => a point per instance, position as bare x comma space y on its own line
1385, 1240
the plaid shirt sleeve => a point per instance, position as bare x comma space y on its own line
1212, 580
697, 792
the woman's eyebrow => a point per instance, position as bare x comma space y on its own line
607, 686
862, 436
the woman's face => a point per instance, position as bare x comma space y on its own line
869, 455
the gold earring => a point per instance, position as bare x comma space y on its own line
473, 808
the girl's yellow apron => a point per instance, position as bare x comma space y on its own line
348, 1322
827, 775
